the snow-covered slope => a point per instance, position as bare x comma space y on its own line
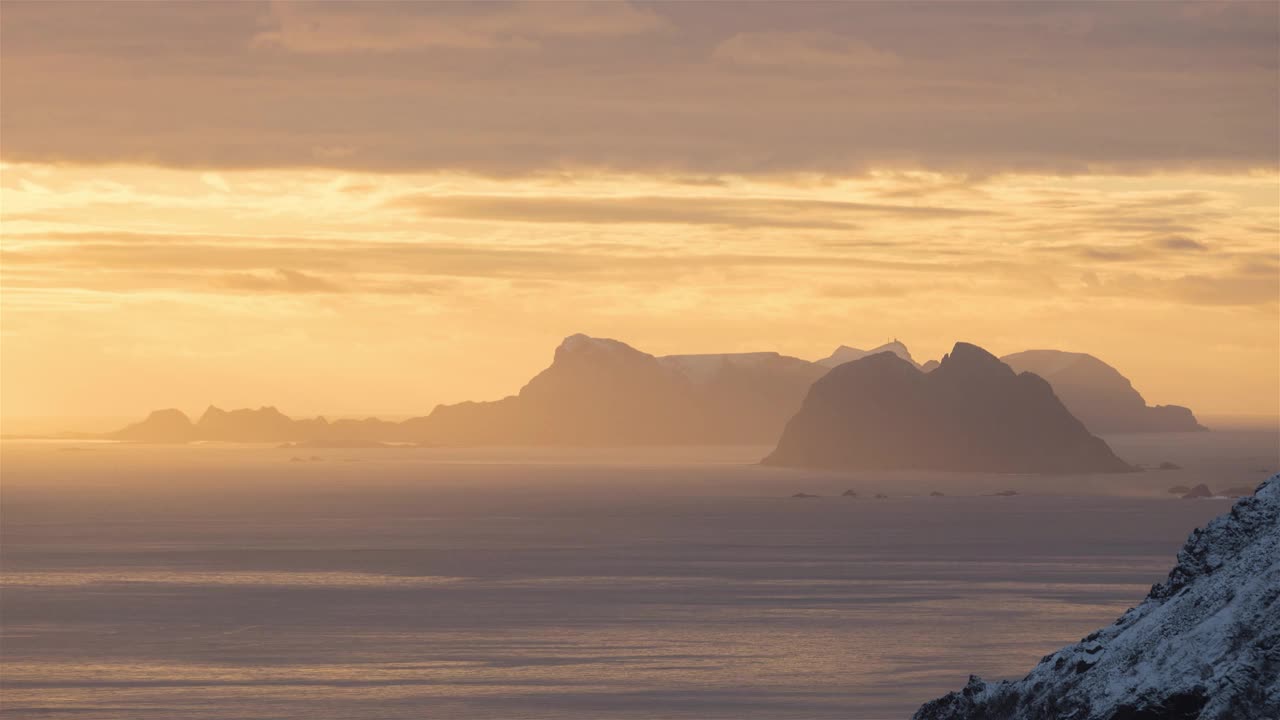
1204, 645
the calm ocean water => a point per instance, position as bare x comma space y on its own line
222, 582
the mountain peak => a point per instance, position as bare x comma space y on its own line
168, 415
169, 425
845, 353
969, 359
972, 414
968, 352
578, 342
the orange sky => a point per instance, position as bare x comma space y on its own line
375, 208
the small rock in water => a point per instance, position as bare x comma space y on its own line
849, 493
1005, 493
1179, 490
1199, 491
1166, 465
935, 493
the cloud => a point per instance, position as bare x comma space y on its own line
719, 211
215, 181
331, 28
1178, 242
695, 89
801, 50
138, 263
281, 281
1240, 287
1112, 254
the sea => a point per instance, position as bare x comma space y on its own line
225, 581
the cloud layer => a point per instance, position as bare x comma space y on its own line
754, 88
380, 206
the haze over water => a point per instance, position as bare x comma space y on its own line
231, 582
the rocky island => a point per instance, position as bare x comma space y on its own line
973, 413
1103, 399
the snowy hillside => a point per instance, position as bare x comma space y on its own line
1204, 645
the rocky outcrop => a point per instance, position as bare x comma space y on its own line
1096, 393
1198, 492
972, 413
1203, 645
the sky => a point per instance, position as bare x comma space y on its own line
373, 208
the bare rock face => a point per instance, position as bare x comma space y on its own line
972, 413
1103, 399
1203, 645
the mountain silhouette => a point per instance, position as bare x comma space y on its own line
844, 354
599, 391
1103, 399
161, 426
263, 425
266, 424
972, 413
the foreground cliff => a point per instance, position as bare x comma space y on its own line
1204, 645
973, 413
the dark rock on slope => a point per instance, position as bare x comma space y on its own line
972, 413
1096, 393
1203, 645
